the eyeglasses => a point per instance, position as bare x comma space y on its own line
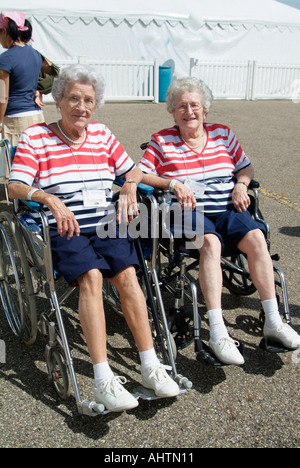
195, 107
75, 101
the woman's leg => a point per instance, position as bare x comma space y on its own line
210, 273
260, 263
261, 270
91, 314
134, 307
109, 390
210, 279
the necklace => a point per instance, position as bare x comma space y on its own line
194, 147
79, 168
201, 142
72, 141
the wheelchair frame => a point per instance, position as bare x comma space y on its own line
26, 272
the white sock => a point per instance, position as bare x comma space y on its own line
148, 359
102, 372
217, 325
272, 316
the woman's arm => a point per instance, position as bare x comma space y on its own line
127, 205
46, 66
156, 181
184, 195
240, 197
65, 219
4, 93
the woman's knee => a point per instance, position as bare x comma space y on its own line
90, 281
125, 279
252, 241
211, 246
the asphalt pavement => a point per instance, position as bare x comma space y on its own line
253, 406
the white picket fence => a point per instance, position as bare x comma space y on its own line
139, 80
247, 80
125, 80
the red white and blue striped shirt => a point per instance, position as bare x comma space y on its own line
168, 156
44, 161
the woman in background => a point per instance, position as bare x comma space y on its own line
20, 67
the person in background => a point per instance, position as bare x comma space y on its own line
204, 163
20, 67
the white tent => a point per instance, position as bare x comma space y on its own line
171, 31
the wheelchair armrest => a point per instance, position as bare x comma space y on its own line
32, 205
145, 188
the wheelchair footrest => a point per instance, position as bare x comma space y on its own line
91, 408
273, 346
148, 394
206, 355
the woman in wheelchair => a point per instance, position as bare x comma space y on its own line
69, 167
196, 162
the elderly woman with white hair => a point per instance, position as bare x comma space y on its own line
69, 167
196, 161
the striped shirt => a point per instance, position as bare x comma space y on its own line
168, 156
44, 161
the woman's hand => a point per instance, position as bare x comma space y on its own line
184, 195
38, 99
65, 219
127, 205
240, 198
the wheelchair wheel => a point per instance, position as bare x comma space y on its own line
16, 289
181, 326
58, 374
157, 345
236, 275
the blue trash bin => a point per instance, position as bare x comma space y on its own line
165, 78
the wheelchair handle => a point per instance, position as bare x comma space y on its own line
254, 184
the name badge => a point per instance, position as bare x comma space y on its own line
94, 198
197, 187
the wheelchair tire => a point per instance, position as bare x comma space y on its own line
181, 326
16, 289
236, 276
157, 345
58, 374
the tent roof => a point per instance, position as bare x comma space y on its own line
220, 12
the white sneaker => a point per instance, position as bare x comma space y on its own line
226, 351
284, 334
114, 396
158, 379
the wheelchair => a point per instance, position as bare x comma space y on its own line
173, 269
27, 275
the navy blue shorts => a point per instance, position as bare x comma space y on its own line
231, 227
72, 258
